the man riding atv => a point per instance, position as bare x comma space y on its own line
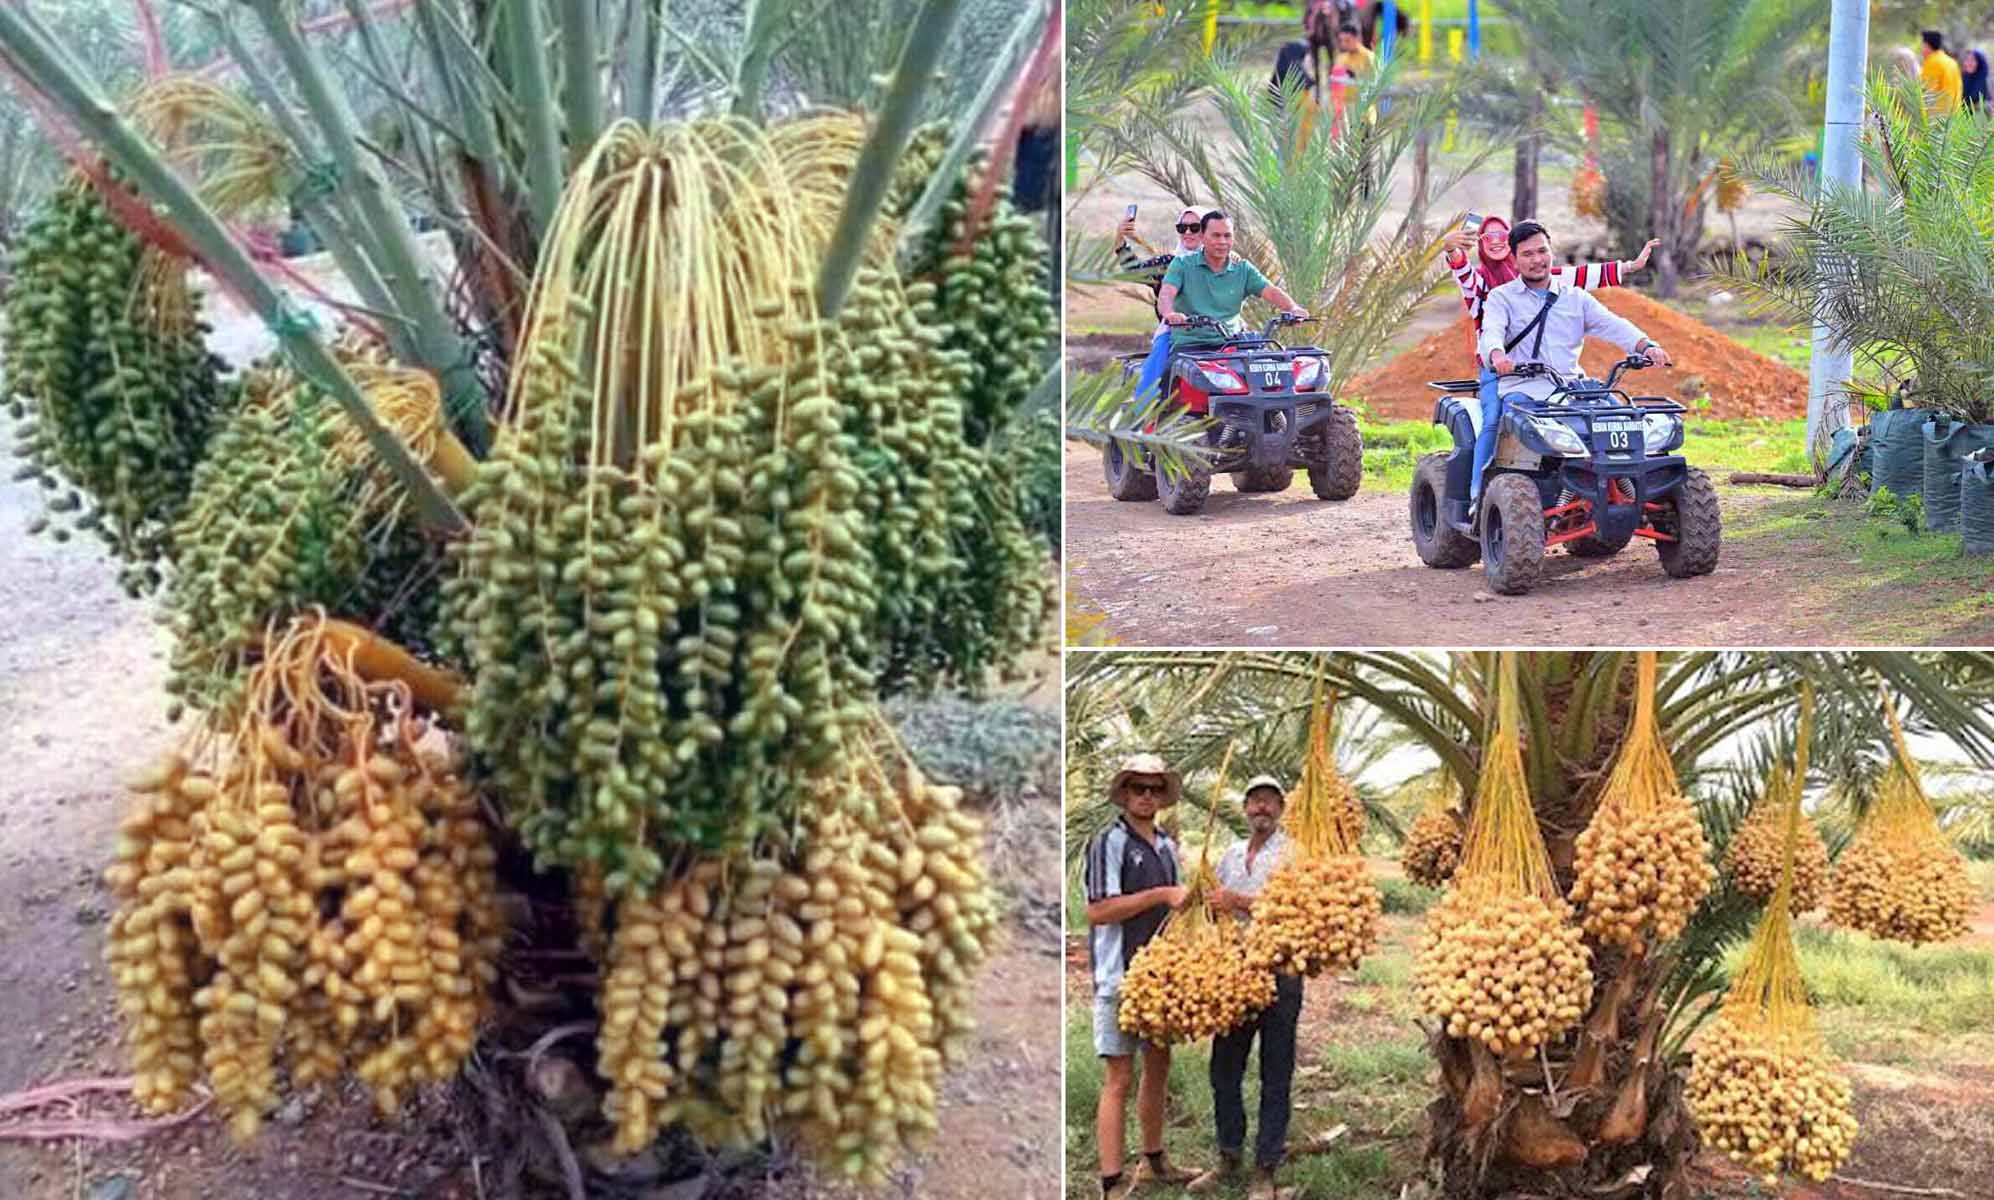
1270, 406
1215, 283
1537, 319
1568, 460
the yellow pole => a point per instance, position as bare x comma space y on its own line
1425, 32
1456, 39
1211, 25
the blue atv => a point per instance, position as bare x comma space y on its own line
1588, 468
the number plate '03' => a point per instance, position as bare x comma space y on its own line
1617, 435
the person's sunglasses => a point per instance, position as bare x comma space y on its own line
1138, 787
1187, 229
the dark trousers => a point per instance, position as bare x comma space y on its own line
1275, 1027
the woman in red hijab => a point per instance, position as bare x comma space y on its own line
1491, 268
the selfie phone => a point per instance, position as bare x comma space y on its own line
1130, 214
1472, 222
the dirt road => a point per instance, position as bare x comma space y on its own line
1291, 570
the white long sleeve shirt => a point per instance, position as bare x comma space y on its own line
1576, 316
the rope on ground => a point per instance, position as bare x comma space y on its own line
1897, 1189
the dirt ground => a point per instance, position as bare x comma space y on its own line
81, 704
1291, 570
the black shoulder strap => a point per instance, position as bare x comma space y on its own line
1537, 324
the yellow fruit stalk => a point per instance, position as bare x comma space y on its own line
1500, 961
1643, 864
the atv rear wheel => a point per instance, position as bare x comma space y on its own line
1698, 525
1127, 479
1339, 466
1184, 493
1263, 479
1439, 543
1512, 534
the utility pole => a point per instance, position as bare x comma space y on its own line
1828, 367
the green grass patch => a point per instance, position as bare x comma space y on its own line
1753, 444
1392, 1074
1403, 896
1392, 449
1881, 1001
1790, 346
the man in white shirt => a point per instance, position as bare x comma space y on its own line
1538, 318
1243, 871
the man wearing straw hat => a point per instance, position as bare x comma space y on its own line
1131, 884
1243, 871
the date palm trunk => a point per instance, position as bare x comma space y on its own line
1596, 1115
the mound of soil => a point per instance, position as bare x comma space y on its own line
1738, 382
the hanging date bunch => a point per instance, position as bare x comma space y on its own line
308, 893
815, 990
1501, 961
1901, 878
1432, 848
1643, 864
1755, 857
108, 372
1320, 908
290, 511
1764, 1087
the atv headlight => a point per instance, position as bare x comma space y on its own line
1309, 374
1558, 436
1661, 432
1220, 378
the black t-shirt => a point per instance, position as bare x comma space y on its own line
1120, 863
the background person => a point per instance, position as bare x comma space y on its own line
1189, 238
1494, 266
1940, 74
1243, 871
1131, 886
1973, 79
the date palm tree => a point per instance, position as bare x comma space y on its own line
1678, 87
1724, 717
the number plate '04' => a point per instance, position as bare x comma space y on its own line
1273, 372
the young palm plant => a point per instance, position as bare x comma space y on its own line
1714, 710
1900, 269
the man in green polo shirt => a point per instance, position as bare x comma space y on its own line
1214, 283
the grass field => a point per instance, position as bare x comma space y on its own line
1915, 1026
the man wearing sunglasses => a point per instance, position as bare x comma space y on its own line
1189, 238
1131, 885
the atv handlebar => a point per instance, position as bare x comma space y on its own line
1194, 321
1633, 362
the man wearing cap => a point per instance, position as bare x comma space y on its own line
1131, 885
1243, 871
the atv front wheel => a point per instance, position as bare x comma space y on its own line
1439, 543
1512, 534
1263, 479
1183, 493
1127, 479
1698, 525
1339, 468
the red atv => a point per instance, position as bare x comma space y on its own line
1271, 414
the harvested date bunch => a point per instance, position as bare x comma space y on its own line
1643, 863
1192, 981
308, 895
1320, 908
